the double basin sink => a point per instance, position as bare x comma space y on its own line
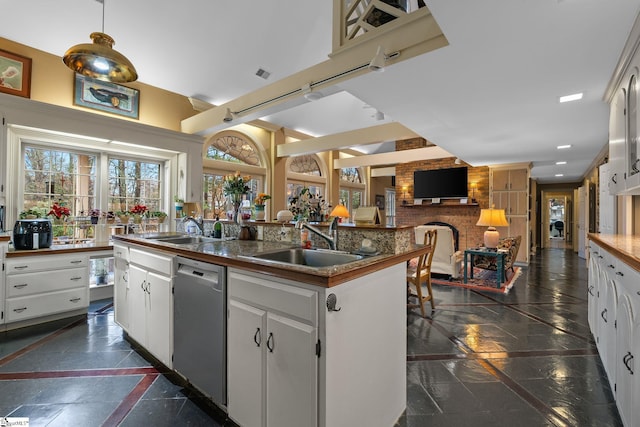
290, 256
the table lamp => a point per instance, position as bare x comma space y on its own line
340, 211
492, 218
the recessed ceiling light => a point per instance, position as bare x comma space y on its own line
572, 97
561, 163
563, 147
559, 174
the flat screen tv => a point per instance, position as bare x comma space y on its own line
450, 183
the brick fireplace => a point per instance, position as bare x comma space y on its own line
462, 217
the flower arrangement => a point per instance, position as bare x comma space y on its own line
235, 185
308, 207
94, 213
138, 209
261, 199
59, 210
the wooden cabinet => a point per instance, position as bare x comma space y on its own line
46, 285
150, 302
272, 352
510, 191
121, 288
617, 326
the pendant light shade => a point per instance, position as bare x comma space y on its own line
100, 61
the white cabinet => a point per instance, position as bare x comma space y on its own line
150, 302
593, 287
44, 285
121, 289
617, 319
3, 250
607, 202
272, 352
617, 137
510, 191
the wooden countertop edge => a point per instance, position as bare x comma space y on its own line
322, 280
57, 251
630, 259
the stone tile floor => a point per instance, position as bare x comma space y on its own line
526, 358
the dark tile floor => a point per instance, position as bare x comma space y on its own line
525, 359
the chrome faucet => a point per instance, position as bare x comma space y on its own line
331, 239
199, 223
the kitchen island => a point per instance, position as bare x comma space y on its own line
306, 346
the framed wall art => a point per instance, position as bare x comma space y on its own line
15, 74
106, 96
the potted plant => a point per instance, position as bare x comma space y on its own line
95, 215
179, 204
30, 214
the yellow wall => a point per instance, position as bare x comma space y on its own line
52, 82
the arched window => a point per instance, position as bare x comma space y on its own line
305, 171
226, 153
352, 189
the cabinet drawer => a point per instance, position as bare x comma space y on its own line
32, 283
273, 296
28, 307
45, 263
121, 252
160, 263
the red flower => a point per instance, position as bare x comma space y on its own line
59, 211
139, 209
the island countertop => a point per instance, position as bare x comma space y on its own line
622, 246
238, 253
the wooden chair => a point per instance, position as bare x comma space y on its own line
422, 274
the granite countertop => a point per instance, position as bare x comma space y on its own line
624, 247
237, 253
61, 249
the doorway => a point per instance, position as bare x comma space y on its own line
557, 220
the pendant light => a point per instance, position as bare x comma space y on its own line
99, 60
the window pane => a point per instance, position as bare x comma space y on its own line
133, 182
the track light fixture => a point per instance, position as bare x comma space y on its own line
309, 95
378, 61
228, 116
99, 60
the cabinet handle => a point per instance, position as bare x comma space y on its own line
76, 278
610, 266
600, 256
613, 178
75, 299
77, 261
270, 342
20, 267
590, 290
20, 286
257, 337
619, 273
604, 315
626, 359
19, 310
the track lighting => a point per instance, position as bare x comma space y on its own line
378, 61
309, 95
228, 116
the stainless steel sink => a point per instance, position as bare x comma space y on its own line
310, 257
186, 240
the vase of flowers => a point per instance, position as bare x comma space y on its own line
59, 212
138, 211
260, 204
235, 186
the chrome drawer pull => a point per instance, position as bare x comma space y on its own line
19, 310
75, 299
20, 286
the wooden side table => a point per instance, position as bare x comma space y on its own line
499, 255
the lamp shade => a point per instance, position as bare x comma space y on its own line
492, 218
340, 211
100, 61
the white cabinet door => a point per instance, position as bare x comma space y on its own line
159, 320
617, 135
624, 360
607, 331
246, 340
291, 373
593, 287
137, 304
121, 292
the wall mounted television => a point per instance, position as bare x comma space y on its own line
450, 183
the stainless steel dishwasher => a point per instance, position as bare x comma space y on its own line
199, 322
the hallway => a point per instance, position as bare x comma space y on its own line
526, 359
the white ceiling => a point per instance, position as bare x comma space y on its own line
490, 97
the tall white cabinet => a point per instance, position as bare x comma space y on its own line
510, 191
